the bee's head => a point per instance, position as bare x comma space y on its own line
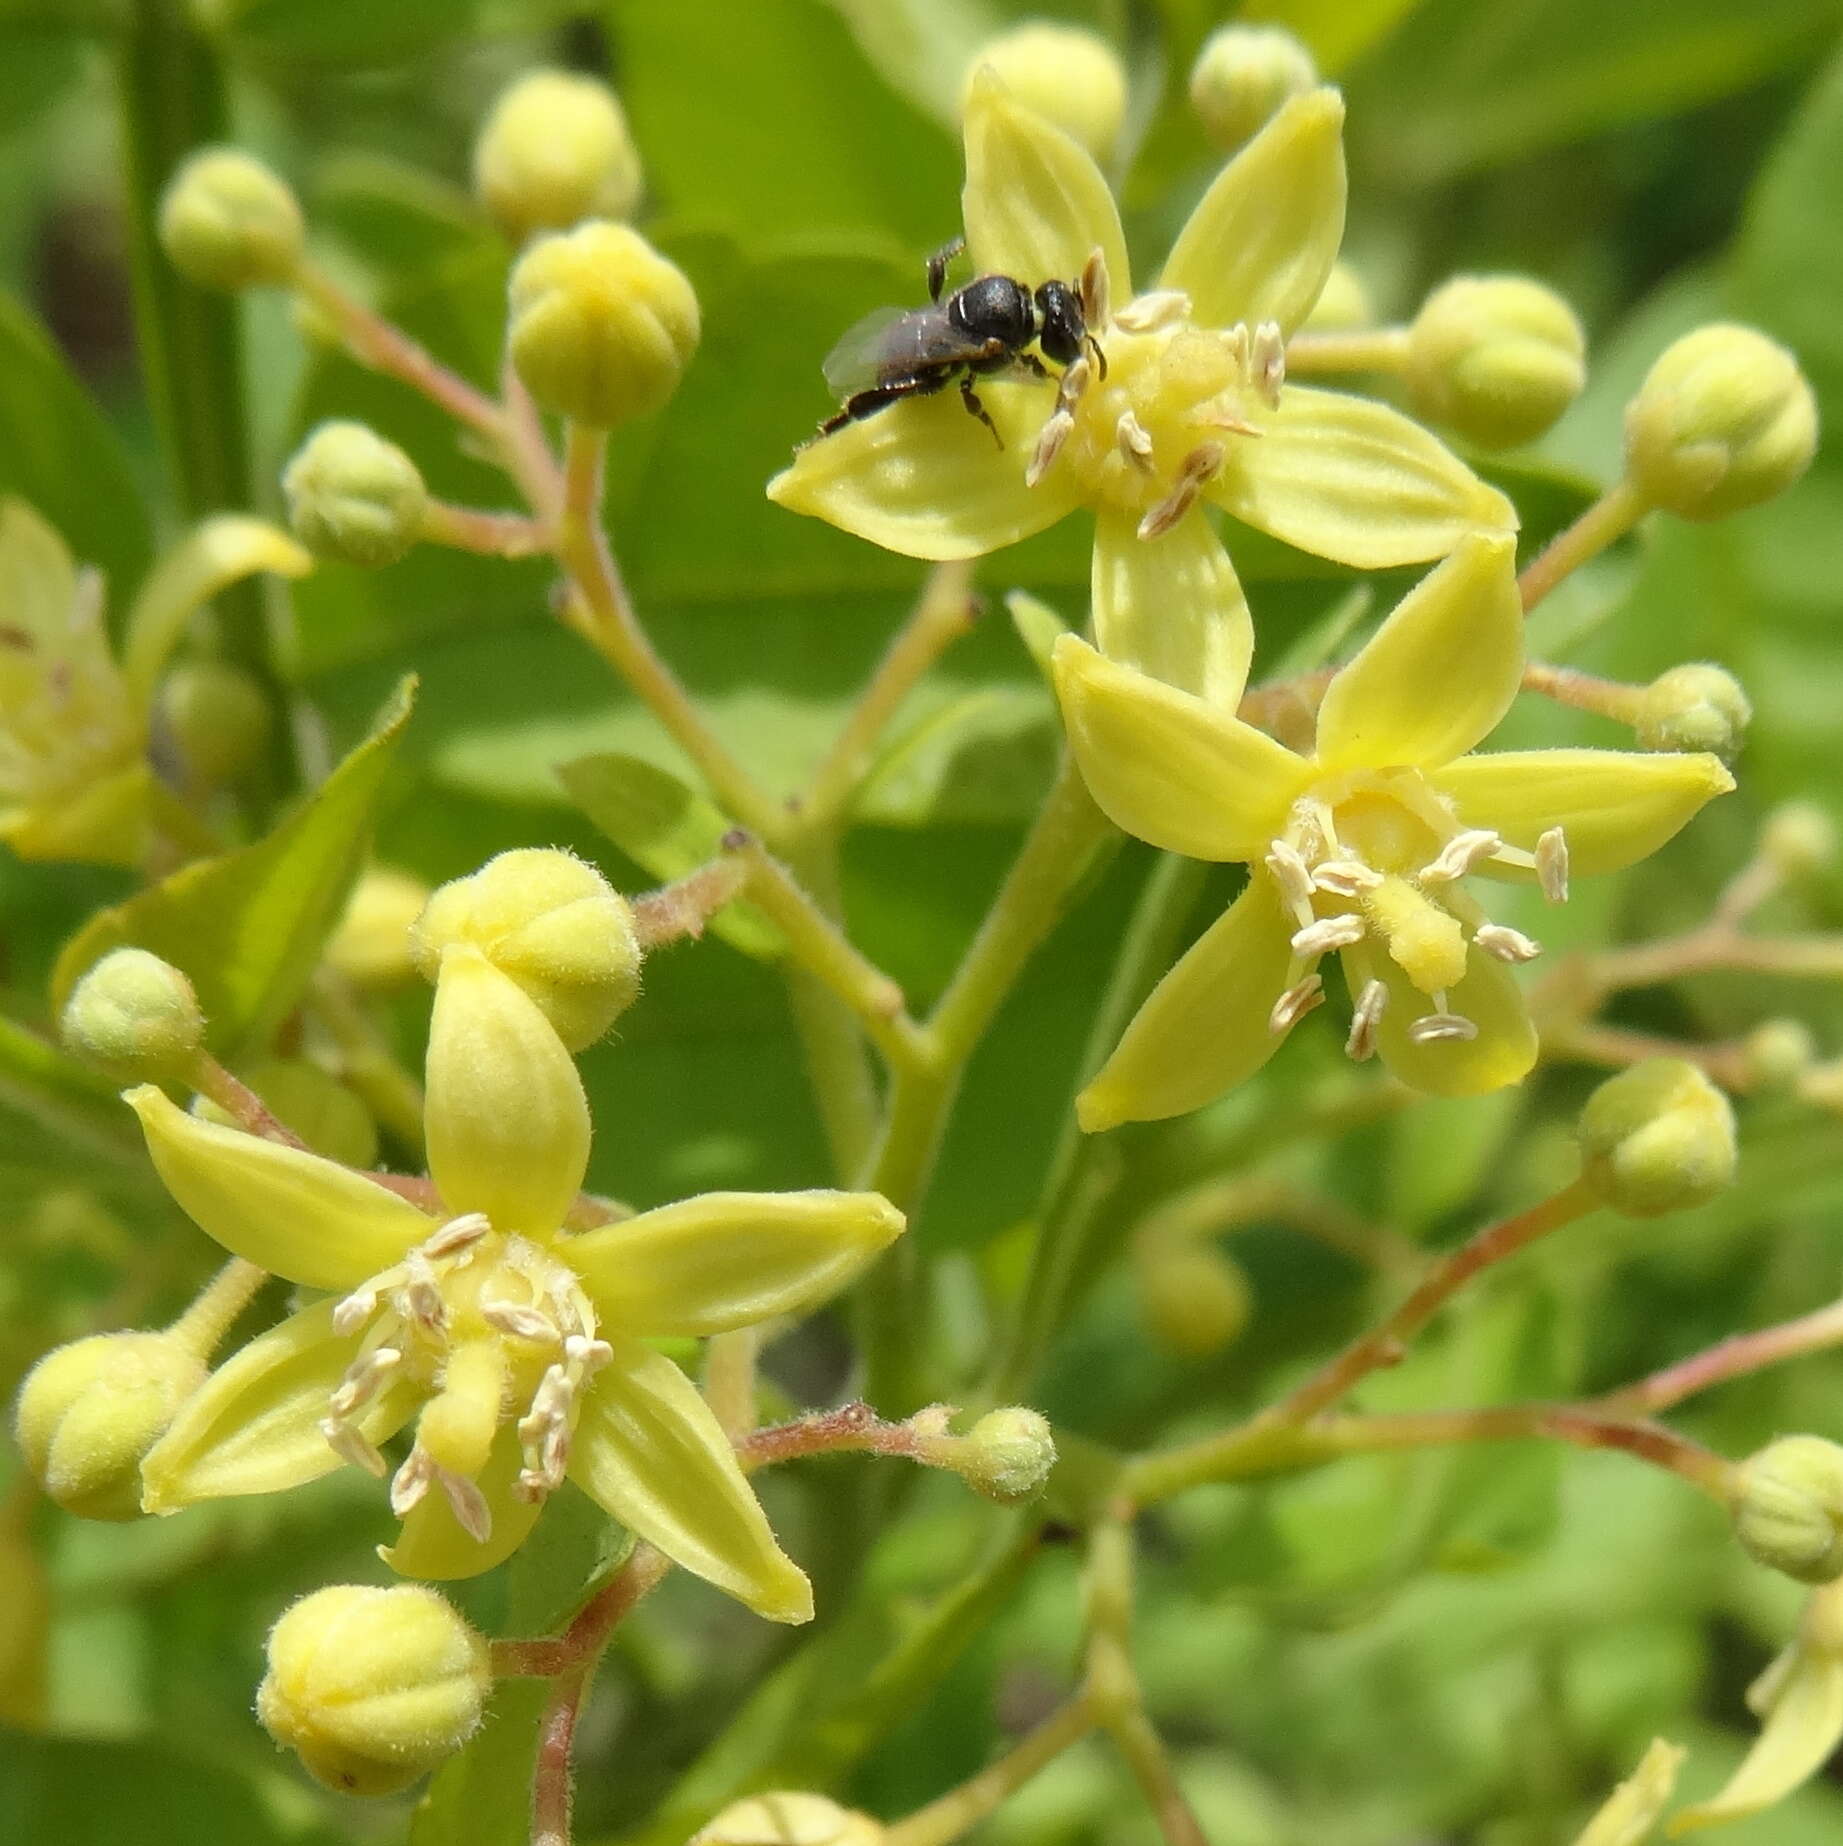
1063, 329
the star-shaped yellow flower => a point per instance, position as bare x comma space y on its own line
520, 1348
1362, 847
1191, 405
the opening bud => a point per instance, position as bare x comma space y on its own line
1799, 838
353, 496
1695, 707
552, 924
1242, 77
227, 221
1788, 1508
1777, 1053
311, 1101
602, 326
371, 946
555, 150
1724, 420
1069, 76
1007, 1455
789, 1819
1343, 304
135, 1017
1196, 1299
373, 1688
218, 719
1496, 358
88, 1412
1657, 1138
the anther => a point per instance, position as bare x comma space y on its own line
524, 1323
1050, 438
1505, 943
1095, 290
1202, 462
1267, 361
1328, 933
587, 1353
1135, 441
1345, 877
1154, 310
1552, 865
471, 1512
1433, 1028
410, 1483
1293, 1005
457, 1234
1364, 1019
1291, 874
362, 1379
352, 1313
352, 1445
1459, 855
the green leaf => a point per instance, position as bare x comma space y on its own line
356, 32
247, 927
986, 758
483, 1796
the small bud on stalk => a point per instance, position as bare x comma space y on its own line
1695, 707
354, 497
789, 1819
228, 222
1800, 839
1007, 1455
1657, 1138
1788, 1508
1196, 1300
1242, 77
218, 718
135, 1017
1776, 1053
554, 151
1069, 76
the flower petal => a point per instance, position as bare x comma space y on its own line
1035, 205
1439, 674
433, 1546
1503, 1053
1173, 607
1166, 767
254, 1425
649, 1452
1262, 240
1633, 1808
1203, 1028
507, 1122
1614, 807
729, 1259
1349, 479
308, 1219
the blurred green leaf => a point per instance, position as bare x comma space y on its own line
483, 1796
987, 757
355, 32
1338, 31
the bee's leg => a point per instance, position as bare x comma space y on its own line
1030, 363
937, 265
970, 398
866, 403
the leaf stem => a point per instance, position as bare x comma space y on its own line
1365, 349
1609, 519
202, 1327
1734, 1357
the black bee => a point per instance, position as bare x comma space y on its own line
984, 328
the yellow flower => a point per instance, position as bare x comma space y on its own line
1361, 847
519, 1347
1190, 405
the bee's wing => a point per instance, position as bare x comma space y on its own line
862, 352
896, 343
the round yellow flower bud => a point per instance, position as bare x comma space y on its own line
217, 717
1724, 420
1242, 77
1343, 304
1777, 1053
1496, 358
136, 1017
1695, 707
552, 924
373, 1688
371, 946
311, 1101
1196, 1300
1657, 1138
227, 221
1068, 75
88, 1412
602, 326
1788, 1508
790, 1819
1008, 1454
353, 496
1799, 838
554, 151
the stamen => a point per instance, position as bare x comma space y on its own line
1135, 441
362, 1380
352, 1445
1433, 1028
1505, 943
1094, 289
1459, 855
1291, 875
471, 1512
588, 1353
1267, 361
1202, 462
1367, 1016
421, 1294
458, 1234
1345, 877
1552, 865
352, 1313
410, 1483
1293, 1005
1055, 432
1156, 309
1328, 933
524, 1323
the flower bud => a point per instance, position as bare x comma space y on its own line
1799, 838
602, 326
217, 717
1070, 76
353, 496
135, 1017
1196, 1299
1343, 304
1788, 1508
554, 151
1695, 707
1657, 1138
1242, 77
227, 221
552, 924
311, 1101
1724, 420
1007, 1455
371, 945
1776, 1054
1496, 358
88, 1412
373, 1688
789, 1819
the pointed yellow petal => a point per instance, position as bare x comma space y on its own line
1439, 674
1632, 1809
106, 821
923, 478
1166, 767
38, 577
433, 1546
1504, 1052
1613, 806
1263, 238
305, 1218
508, 1125
649, 1452
1172, 607
254, 1426
1204, 1027
1349, 479
1035, 205
729, 1259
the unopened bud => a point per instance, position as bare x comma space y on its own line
551, 923
1799, 838
1242, 77
1343, 304
554, 151
1695, 707
1008, 1454
353, 496
1724, 420
371, 945
227, 221
1496, 358
88, 1412
602, 326
1068, 75
373, 1688
1657, 1138
217, 717
135, 1017
1777, 1053
311, 1101
1196, 1299
1788, 1508
789, 1819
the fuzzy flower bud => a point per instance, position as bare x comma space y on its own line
1242, 77
1788, 1508
311, 1101
1724, 420
1343, 304
217, 717
1799, 838
602, 326
1007, 1455
353, 496
789, 1819
373, 1688
88, 1412
1196, 1300
371, 946
1069, 76
135, 1017
1657, 1138
227, 221
1496, 358
554, 151
552, 924
1695, 707
1777, 1053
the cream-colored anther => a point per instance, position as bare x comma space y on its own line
1324, 934
1095, 290
1198, 466
357, 1308
1505, 943
1291, 874
458, 1234
1457, 858
1552, 865
363, 1380
1365, 1017
1135, 441
522, 1322
1345, 877
1436, 1027
1154, 311
1054, 433
471, 1512
352, 1445
1293, 1005
1267, 362
411, 1482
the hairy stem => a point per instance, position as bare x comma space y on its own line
1368, 349
1608, 520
